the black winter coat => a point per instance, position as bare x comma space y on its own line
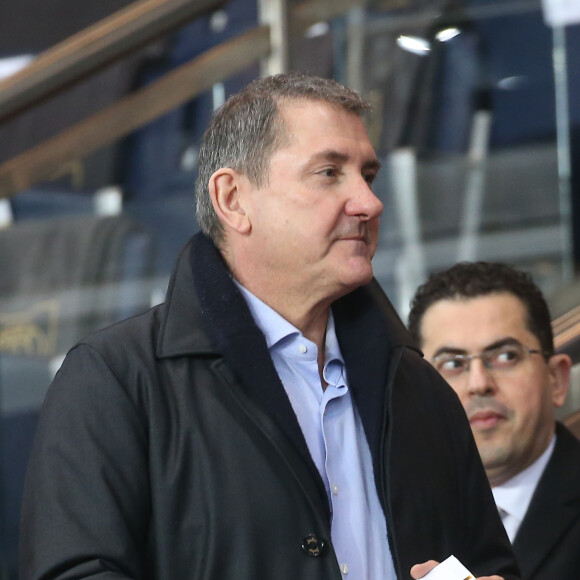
167, 449
548, 540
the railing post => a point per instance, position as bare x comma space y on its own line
274, 13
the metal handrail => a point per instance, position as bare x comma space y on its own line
87, 52
50, 159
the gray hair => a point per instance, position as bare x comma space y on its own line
248, 129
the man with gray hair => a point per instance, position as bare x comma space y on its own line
272, 419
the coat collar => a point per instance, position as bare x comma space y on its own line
203, 308
205, 314
554, 506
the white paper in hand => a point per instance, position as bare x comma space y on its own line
449, 569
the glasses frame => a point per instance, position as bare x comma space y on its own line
484, 356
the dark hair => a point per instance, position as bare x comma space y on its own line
247, 129
474, 279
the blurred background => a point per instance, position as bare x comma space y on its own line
476, 119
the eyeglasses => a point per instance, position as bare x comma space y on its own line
503, 358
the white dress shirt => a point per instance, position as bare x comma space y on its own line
336, 441
513, 497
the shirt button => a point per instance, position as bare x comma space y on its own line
302, 349
344, 569
335, 489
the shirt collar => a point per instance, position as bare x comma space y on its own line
514, 495
276, 328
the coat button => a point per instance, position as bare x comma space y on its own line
313, 545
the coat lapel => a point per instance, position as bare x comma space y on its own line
554, 506
368, 329
234, 335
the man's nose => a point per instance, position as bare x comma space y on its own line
363, 201
480, 380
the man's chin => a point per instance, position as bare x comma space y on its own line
358, 277
493, 455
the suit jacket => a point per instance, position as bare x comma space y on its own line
167, 449
547, 545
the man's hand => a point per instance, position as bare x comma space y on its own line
420, 570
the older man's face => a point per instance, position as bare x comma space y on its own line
315, 223
510, 407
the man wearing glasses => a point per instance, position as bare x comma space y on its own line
486, 328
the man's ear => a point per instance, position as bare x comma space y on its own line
226, 187
559, 367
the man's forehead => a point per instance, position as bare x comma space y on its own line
474, 322
341, 156
330, 143
490, 305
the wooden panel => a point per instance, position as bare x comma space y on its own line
93, 48
49, 159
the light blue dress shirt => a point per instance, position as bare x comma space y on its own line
336, 440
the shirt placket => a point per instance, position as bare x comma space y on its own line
334, 411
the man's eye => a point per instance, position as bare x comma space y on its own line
370, 178
450, 364
329, 172
455, 363
506, 356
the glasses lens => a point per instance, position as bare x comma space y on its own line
505, 357
450, 365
